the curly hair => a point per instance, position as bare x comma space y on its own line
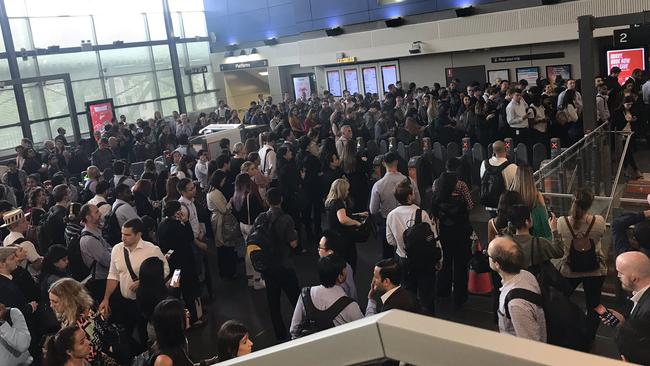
74, 298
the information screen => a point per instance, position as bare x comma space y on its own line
334, 82
100, 113
351, 80
388, 75
302, 87
369, 79
627, 60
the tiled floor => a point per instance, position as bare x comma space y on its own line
235, 301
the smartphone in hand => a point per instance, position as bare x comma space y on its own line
175, 279
606, 316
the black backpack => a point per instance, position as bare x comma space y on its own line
316, 320
492, 184
45, 228
111, 230
259, 245
566, 323
76, 266
451, 212
420, 244
582, 253
86, 194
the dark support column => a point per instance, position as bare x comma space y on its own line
72, 108
14, 72
176, 69
587, 70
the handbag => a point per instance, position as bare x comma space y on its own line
361, 234
479, 281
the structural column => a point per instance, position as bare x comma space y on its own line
587, 71
14, 71
173, 55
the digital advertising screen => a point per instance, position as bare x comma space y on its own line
388, 75
562, 70
530, 74
334, 82
351, 80
302, 86
100, 113
627, 60
369, 79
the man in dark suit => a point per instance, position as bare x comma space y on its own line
386, 283
634, 272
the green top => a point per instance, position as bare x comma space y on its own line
540, 228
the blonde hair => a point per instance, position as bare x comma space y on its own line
74, 299
338, 191
246, 167
524, 184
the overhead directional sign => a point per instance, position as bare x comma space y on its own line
632, 37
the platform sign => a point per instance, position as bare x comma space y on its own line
632, 37
627, 60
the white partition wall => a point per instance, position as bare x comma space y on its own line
360, 78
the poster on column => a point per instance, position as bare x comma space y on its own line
351, 81
302, 87
627, 60
369, 80
334, 82
100, 113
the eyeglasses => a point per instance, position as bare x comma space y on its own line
485, 252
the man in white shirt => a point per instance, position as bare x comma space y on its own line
187, 189
268, 163
122, 205
119, 177
602, 107
201, 169
99, 200
17, 224
517, 117
419, 277
331, 243
124, 271
222, 111
497, 161
15, 338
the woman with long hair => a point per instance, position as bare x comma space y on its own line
175, 233
246, 206
141, 196
152, 289
55, 266
524, 184
171, 193
69, 347
497, 225
233, 341
591, 272
451, 205
73, 225
170, 321
339, 220
72, 306
569, 114
220, 207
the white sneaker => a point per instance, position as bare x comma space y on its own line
259, 284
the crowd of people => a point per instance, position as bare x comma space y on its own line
100, 267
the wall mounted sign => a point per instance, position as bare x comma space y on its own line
244, 65
346, 60
196, 70
627, 61
493, 75
334, 82
369, 79
631, 37
558, 70
530, 74
535, 56
100, 113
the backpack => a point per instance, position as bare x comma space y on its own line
316, 320
421, 244
451, 212
582, 252
111, 190
566, 323
232, 235
44, 229
259, 246
85, 195
111, 230
76, 266
493, 184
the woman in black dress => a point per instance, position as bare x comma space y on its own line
175, 233
339, 220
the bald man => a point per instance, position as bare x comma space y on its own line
498, 163
634, 273
517, 315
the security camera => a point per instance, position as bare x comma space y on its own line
416, 48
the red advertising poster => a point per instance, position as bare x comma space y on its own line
100, 113
627, 61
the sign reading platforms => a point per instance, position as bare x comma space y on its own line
346, 60
244, 65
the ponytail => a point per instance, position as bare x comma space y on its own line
582, 201
57, 346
